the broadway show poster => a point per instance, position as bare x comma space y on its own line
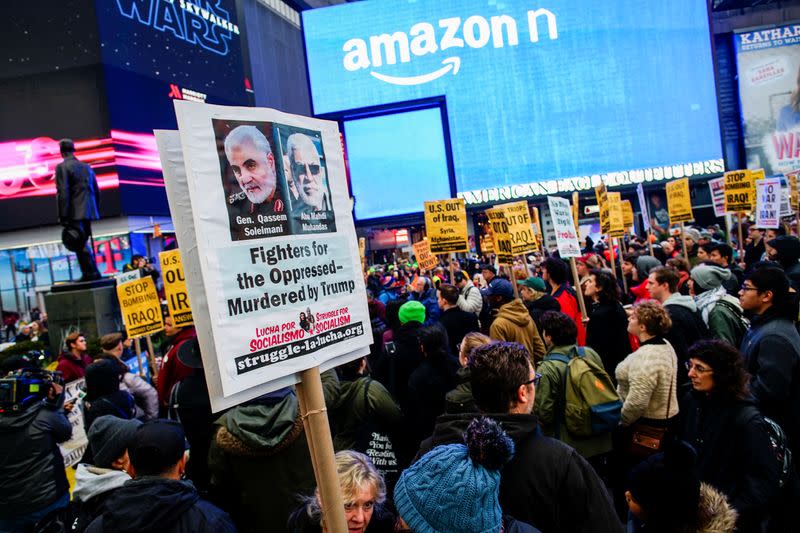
275, 238
769, 88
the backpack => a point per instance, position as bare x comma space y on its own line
373, 442
589, 403
779, 445
742, 324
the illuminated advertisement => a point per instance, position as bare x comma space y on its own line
557, 93
769, 87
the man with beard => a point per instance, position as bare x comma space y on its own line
312, 210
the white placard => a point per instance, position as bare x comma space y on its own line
768, 202
717, 188
564, 227
643, 207
125, 277
276, 281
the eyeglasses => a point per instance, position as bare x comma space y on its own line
698, 369
746, 288
299, 169
535, 380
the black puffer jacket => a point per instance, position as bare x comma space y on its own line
546, 483
607, 334
32, 472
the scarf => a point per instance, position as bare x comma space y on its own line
707, 300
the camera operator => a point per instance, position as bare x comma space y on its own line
144, 265
33, 480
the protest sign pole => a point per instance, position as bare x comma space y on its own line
650, 241
741, 239
683, 242
613, 260
151, 357
578, 288
137, 345
452, 268
727, 218
315, 418
621, 273
303, 406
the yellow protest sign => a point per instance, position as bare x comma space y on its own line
520, 231
739, 191
141, 309
757, 174
502, 240
617, 227
794, 196
446, 225
175, 288
602, 204
425, 259
627, 214
679, 202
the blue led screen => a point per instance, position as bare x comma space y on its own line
396, 162
534, 90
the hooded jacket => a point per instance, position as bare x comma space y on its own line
172, 370
568, 302
32, 472
714, 514
470, 299
259, 458
546, 484
513, 323
687, 327
150, 504
144, 394
71, 368
93, 486
351, 411
429, 299
460, 400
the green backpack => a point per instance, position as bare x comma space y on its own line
589, 403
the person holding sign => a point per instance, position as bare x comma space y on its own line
554, 272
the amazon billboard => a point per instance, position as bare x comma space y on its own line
542, 96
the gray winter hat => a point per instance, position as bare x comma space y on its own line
692, 234
710, 276
109, 437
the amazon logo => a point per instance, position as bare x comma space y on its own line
425, 38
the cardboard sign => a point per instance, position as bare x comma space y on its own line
520, 231
617, 227
446, 225
175, 288
627, 214
564, 227
425, 259
72, 450
130, 275
717, 188
739, 191
679, 203
643, 206
794, 196
602, 204
274, 283
502, 240
140, 307
768, 198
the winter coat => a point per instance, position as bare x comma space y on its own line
687, 328
119, 404
350, 412
753, 253
568, 302
76, 187
550, 401
460, 400
393, 369
644, 381
259, 458
159, 504
771, 352
458, 323
470, 299
431, 302
546, 484
172, 370
793, 273
513, 324
427, 388
71, 368
714, 514
32, 472
93, 486
607, 334
143, 393
540, 306
725, 320
733, 453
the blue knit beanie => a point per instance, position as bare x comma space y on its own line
455, 488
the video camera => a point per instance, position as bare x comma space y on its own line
24, 388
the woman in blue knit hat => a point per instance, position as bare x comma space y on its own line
455, 488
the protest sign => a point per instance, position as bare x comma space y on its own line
768, 202
134, 363
520, 231
500, 236
140, 307
125, 277
627, 214
717, 188
602, 204
617, 227
425, 258
175, 288
274, 270
791, 177
786, 200
739, 191
643, 206
564, 227
72, 450
679, 203
446, 225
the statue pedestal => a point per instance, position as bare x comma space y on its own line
90, 307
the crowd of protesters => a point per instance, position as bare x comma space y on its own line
470, 412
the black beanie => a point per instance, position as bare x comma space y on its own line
788, 248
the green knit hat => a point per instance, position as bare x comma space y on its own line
412, 311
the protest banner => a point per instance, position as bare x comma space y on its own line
739, 191
717, 188
643, 207
679, 202
446, 225
425, 258
768, 203
627, 214
72, 450
500, 236
602, 205
520, 231
175, 288
617, 226
564, 227
140, 307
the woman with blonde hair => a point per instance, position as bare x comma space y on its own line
363, 492
460, 400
